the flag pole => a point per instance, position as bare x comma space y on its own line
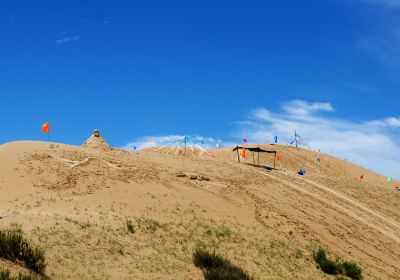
185, 139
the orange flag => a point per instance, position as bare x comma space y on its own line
243, 153
46, 127
362, 177
278, 156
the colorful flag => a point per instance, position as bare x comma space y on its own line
245, 140
276, 139
243, 153
362, 177
46, 127
278, 156
389, 179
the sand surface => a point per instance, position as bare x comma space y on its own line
75, 202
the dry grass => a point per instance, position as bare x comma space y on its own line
14, 247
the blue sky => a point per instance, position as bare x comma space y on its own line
152, 69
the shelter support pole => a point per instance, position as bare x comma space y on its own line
238, 155
258, 158
274, 159
254, 161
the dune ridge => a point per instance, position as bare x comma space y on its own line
75, 203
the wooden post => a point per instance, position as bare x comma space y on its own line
237, 150
258, 158
274, 159
254, 161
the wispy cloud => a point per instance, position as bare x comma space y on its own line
67, 39
157, 141
384, 3
372, 144
300, 107
384, 47
388, 122
381, 40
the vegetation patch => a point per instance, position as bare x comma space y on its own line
216, 267
150, 225
15, 248
5, 275
130, 226
336, 267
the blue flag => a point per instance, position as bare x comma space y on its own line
276, 139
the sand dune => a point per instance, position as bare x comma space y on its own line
75, 201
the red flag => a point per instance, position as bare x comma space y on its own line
361, 177
46, 127
245, 140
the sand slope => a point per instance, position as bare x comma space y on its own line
75, 201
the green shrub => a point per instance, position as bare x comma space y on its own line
130, 226
332, 267
352, 270
216, 267
206, 260
15, 248
320, 256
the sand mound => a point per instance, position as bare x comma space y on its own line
76, 201
96, 141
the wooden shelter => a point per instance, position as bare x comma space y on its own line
257, 150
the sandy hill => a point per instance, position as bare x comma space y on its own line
75, 203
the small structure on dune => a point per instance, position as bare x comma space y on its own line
257, 150
183, 146
299, 141
96, 141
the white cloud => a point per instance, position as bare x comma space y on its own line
67, 39
372, 144
389, 122
302, 108
158, 141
